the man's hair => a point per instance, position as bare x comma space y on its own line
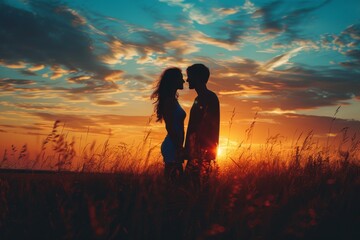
200, 71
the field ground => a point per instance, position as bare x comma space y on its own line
258, 201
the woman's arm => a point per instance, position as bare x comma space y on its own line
177, 138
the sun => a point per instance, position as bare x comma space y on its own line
220, 152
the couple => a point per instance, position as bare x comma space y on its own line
202, 135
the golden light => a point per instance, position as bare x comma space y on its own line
220, 152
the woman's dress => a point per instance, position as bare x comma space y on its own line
168, 147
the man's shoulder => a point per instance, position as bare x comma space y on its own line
212, 97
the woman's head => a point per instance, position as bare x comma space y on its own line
171, 80
166, 89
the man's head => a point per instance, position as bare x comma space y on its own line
197, 75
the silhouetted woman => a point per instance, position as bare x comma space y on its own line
167, 108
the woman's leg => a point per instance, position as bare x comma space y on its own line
174, 172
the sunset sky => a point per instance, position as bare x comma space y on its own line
92, 65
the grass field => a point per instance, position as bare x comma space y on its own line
307, 192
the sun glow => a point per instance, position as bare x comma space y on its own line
220, 152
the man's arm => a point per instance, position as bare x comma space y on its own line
211, 127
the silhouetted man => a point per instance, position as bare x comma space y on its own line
202, 135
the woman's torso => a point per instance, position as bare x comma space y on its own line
168, 147
178, 119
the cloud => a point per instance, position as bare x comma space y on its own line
346, 40
8, 86
109, 103
231, 33
14, 65
58, 72
144, 49
249, 7
36, 134
99, 124
36, 68
168, 44
269, 25
355, 62
91, 87
55, 36
7, 82
28, 73
197, 15
140, 78
346, 43
181, 47
32, 128
118, 52
29, 106
294, 88
279, 17
37, 131
22, 89
117, 120
52, 108
151, 48
114, 75
278, 111
202, 38
280, 60
77, 19
44, 90
226, 11
79, 79
301, 88
227, 35
72, 121
353, 31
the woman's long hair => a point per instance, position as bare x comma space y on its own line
164, 91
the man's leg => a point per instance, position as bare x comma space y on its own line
192, 172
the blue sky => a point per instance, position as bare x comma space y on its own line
93, 63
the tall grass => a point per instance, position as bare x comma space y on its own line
59, 153
301, 190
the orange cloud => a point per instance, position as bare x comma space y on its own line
35, 68
181, 46
77, 19
14, 65
79, 79
119, 52
279, 60
226, 11
109, 103
200, 37
58, 72
114, 75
